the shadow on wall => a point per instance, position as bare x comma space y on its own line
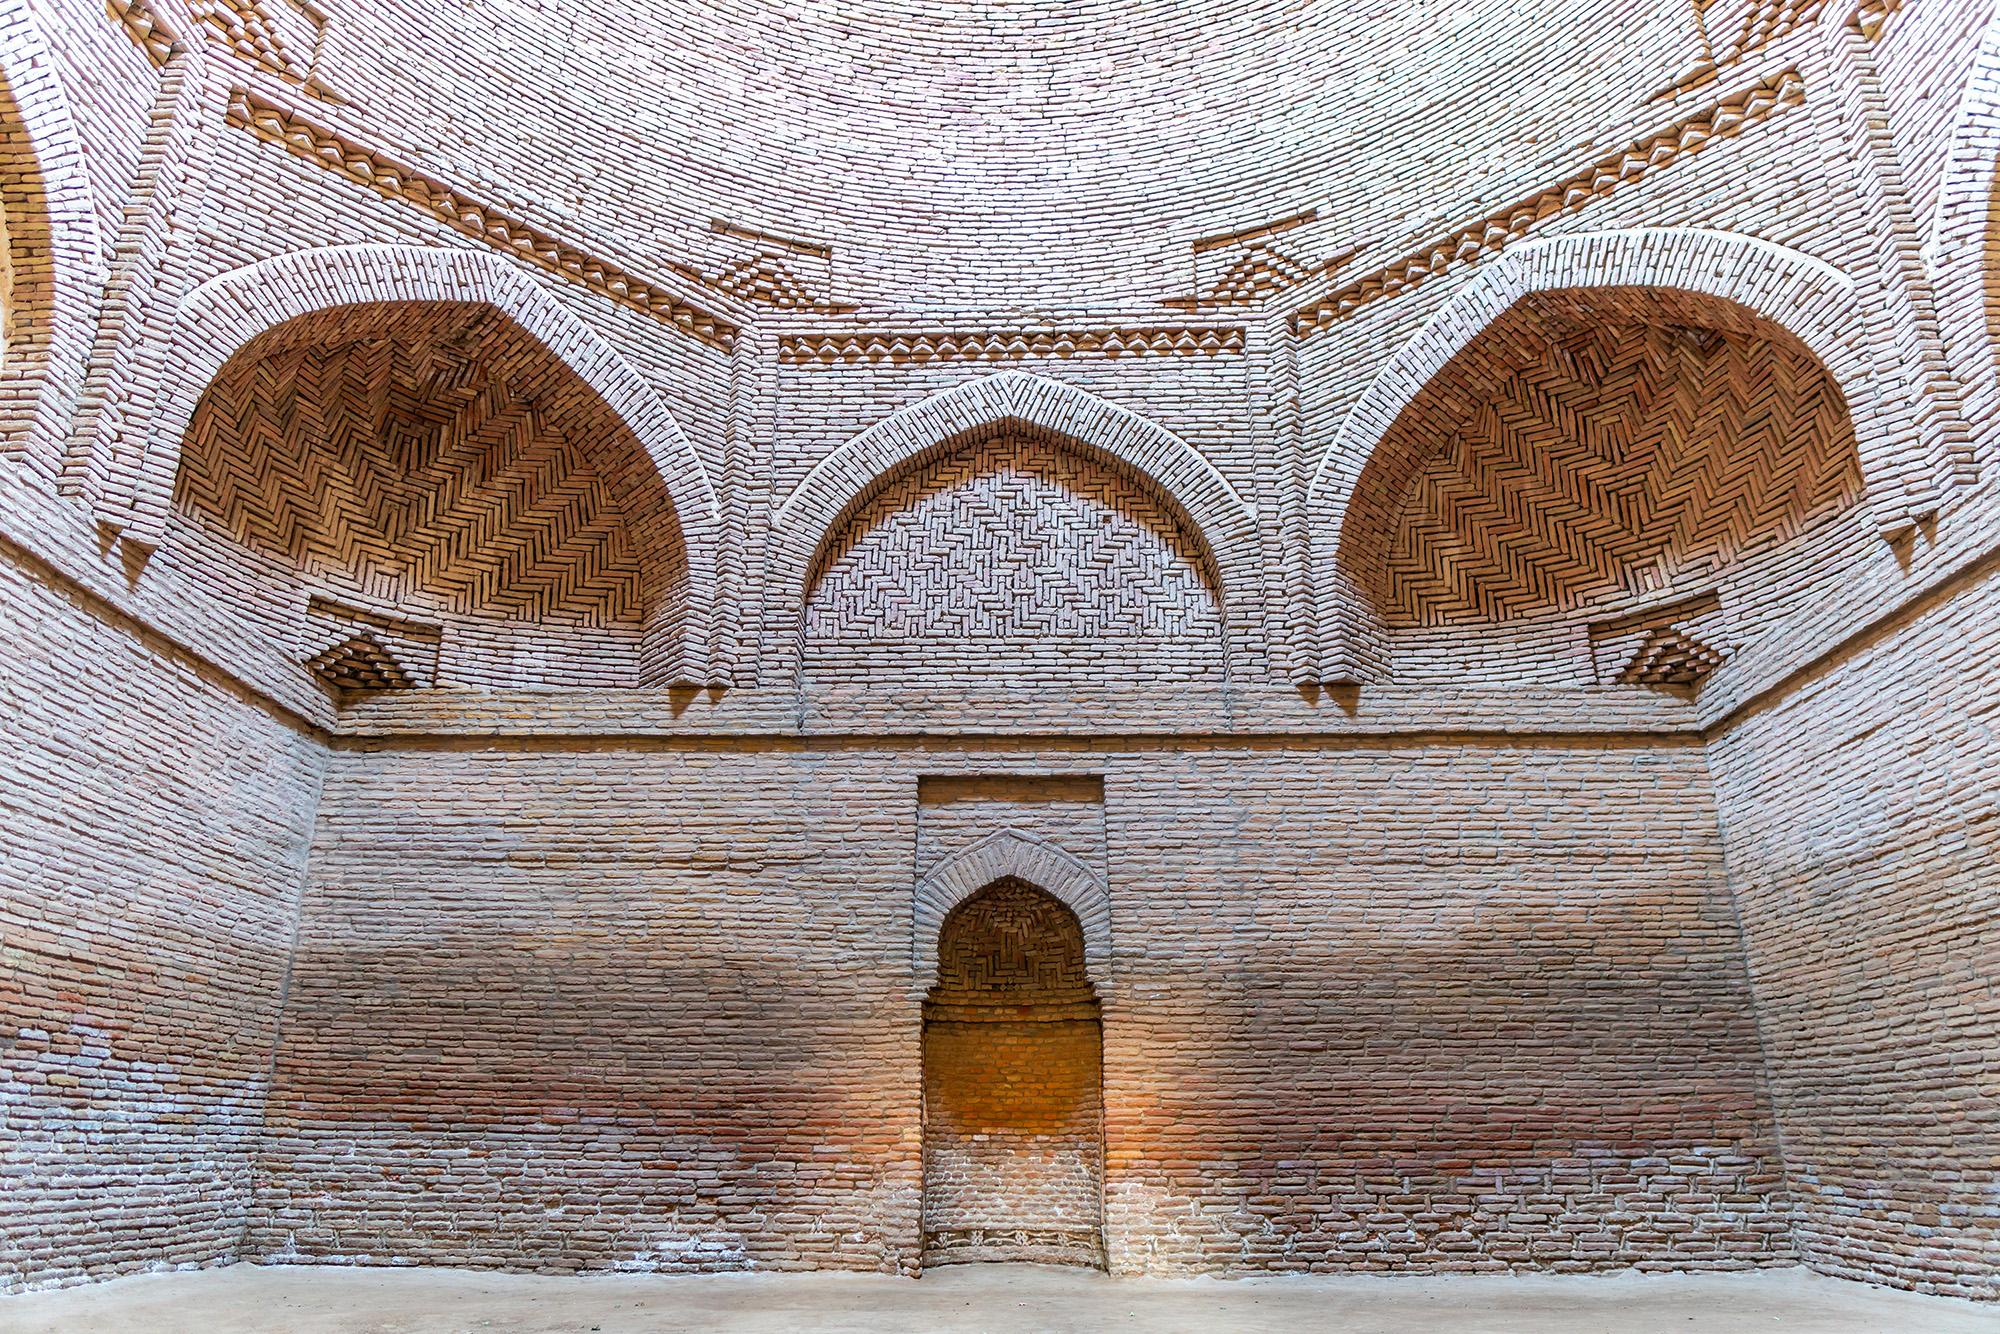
463, 508
1590, 457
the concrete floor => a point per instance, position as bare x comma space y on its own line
305, 1300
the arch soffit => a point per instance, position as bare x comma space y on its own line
1223, 519
1011, 853
70, 272
223, 315
1806, 296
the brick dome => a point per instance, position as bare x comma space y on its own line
1252, 637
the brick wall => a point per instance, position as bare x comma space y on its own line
1360, 1017
156, 837
1862, 828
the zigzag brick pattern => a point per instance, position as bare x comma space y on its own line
280, 125
1572, 459
429, 459
1015, 542
839, 349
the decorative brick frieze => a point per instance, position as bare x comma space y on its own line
868, 347
1726, 118
286, 127
1250, 265
252, 31
781, 272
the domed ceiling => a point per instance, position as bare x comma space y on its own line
1025, 156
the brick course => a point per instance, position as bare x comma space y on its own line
546, 552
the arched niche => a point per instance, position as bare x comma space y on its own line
1589, 459
444, 487
1013, 1159
1178, 479
1671, 278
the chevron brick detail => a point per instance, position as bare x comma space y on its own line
1575, 453
249, 30
145, 27
781, 272
330, 625
1670, 658
358, 664
1755, 25
868, 348
1014, 541
1729, 32
1871, 16
432, 458
452, 206
1685, 137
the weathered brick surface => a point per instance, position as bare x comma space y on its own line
156, 832
1338, 1039
1315, 492
1862, 827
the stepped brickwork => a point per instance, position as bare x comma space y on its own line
1241, 638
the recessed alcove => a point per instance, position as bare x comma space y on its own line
937, 664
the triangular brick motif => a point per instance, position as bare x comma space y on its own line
765, 279
1670, 657
359, 662
1260, 271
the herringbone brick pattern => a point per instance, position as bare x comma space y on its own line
1011, 944
1575, 452
433, 456
1014, 539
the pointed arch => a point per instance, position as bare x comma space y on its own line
57, 261
840, 483
221, 317
998, 856
1808, 297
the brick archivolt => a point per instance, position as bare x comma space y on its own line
222, 318
1171, 470
1010, 854
434, 457
1806, 298
53, 248
1963, 250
